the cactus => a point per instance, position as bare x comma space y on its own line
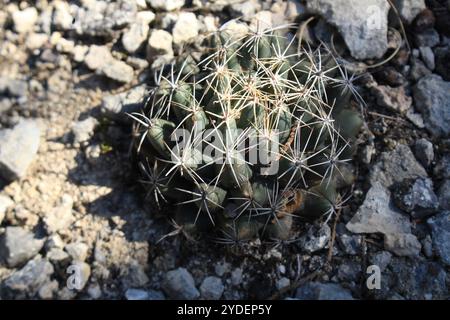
245, 104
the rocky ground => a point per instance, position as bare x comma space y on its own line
69, 195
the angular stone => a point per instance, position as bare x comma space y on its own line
18, 147
402, 244
432, 99
395, 166
362, 24
186, 28
179, 284
18, 245
60, 217
440, 232
322, 291
212, 288
409, 9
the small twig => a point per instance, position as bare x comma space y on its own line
333, 236
385, 116
294, 285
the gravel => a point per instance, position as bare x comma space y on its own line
424, 152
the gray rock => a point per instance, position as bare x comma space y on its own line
24, 20
427, 246
47, 291
5, 204
378, 215
136, 294
18, 147
416, 197
133, 39
402, 244
362, 24
427, 56
102, 18
426, 38
236, 277
396, 166
99, 58
409, 9
423, 149
116, 106
444, 195
419, 280
322, 291
316, 238
221, 268
186, 28
442, 61
381, 259
27, 281
211, 288
442, 168
56, 255
432, 99
60, 217
155, 295
83, 130
351, 244
349, 271
18, 245
166, 5
179, 284
415, 118
418, 70
282, 283
440, 232
394, 99
159, 48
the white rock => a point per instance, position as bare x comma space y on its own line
62, 19
60, 217
78, 251
24, 20
36, 40
83, 130
185, 28
5, 203
167, 5
18, 147
135, 36
145, 16
160, 43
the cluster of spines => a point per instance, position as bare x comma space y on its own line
263, 84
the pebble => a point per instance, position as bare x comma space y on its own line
236, 277
316, 238
443, 194
60, 217
136, 294
186, 28
211, 288
136, 35
24, 20
370, 41
282, 283
5, 204
402, 244
381, 259
440, 233
427, 56
432, 99
394, 99
409, 9
99, 58
159, 43
116, 106
166, 5
78, 251
179, 284
18, 245
423, 150
26, 282
322, 291
83, 130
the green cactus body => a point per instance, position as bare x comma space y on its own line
249, 99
